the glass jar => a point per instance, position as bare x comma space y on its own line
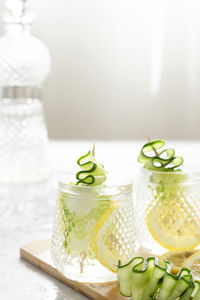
93, 229
167, 212
24, 64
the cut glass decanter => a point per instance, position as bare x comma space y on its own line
24, 64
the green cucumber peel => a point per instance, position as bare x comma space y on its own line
196, 292
124, 276
166, 180
140, 276
145, 280
92, 173
164, 161
187, 295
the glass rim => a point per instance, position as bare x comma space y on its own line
193, 173
110, 190
128, 185
171, 178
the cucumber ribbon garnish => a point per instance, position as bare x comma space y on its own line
93, 172
171, 214
145, 279
164, 160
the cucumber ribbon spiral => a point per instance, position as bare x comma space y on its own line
93, 173
145, 279
159, 161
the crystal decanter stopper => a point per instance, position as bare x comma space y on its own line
24, 64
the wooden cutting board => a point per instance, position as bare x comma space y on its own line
38, 254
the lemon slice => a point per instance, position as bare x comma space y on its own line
193, 263
173, 221
112, 238
177, 258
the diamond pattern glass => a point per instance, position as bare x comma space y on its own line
90, 235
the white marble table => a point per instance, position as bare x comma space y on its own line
26, 214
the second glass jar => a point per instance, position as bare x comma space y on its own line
167, 212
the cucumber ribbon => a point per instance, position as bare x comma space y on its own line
93, 173
159, 161
145, 279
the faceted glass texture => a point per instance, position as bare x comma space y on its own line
91, 233
24, 59
23, 141
24, 64
167, 212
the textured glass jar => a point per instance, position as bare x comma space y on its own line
167, 212
93, 229
24, 64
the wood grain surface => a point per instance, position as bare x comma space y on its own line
38, 254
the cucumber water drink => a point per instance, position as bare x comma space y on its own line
93, 226
168, 202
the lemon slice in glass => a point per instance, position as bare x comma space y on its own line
173, 221
112, 238
177, 258
193, 263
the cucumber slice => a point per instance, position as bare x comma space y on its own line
168, 284
181, 286
93, 173
124, 275
174, 286
152, 285
196, 292
150, 148
164, 161
188, 293
145, 280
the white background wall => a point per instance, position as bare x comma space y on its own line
121, 68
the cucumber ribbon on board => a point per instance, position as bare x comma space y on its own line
145, 280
